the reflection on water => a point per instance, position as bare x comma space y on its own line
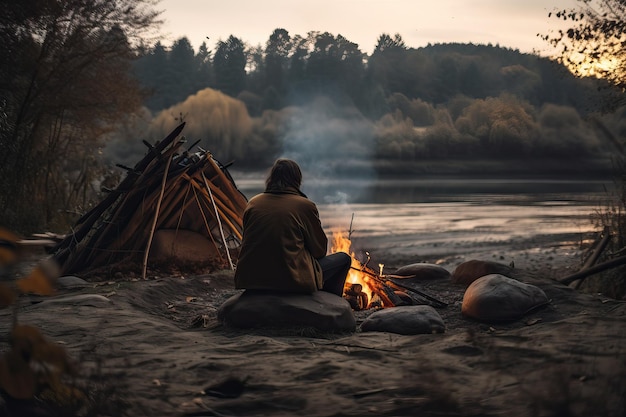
490, 218
437, 217
491, 227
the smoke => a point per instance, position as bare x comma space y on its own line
334, 145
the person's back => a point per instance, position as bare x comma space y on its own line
282, 239
284, 244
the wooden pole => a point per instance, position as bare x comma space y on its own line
591, 261
206, 222
156, 216
219, 223
235, 217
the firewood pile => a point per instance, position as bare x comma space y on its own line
171, 189
385, 291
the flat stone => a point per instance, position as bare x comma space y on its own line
71, 282
422, 271
405, 320
470, 271
496, 298
88, 300
263, 309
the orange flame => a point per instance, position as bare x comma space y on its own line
341, 243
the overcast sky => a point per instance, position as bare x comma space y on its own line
508, 23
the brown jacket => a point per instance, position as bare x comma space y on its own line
282, 240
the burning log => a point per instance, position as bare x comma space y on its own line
386, 294
393, 282
389, 292
382, 295
356, 297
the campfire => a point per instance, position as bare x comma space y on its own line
365, 288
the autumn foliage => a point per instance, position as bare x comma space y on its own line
33, 365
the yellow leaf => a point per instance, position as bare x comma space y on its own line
41, 280
16, 377
30, 343
8, 247
7, 296
23, 339
63, 395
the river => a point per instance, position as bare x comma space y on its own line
446, 221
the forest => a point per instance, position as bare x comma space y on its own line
80, 95
320, 96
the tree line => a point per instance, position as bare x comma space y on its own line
320, 95
288, 70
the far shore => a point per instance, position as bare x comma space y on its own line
596, 168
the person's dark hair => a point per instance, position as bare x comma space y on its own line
285, 173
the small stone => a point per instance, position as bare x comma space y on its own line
470, 271
405, 320
423, 271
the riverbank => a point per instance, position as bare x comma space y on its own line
155, 348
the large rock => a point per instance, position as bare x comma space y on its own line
496, 298
405, 320
262, 309
470, 271
422, 271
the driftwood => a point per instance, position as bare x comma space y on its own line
588, 267
613, 263
595, 255
170, 188
604, 241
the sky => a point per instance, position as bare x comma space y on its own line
507, 23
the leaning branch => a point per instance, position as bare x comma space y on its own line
594, 270
591, 261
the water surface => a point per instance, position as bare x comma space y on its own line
442, 219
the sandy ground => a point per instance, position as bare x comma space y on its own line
155, 348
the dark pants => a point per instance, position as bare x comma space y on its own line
335, 269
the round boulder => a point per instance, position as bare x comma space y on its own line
470, 271
422, 271
263, 309
405, 320
496, 298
